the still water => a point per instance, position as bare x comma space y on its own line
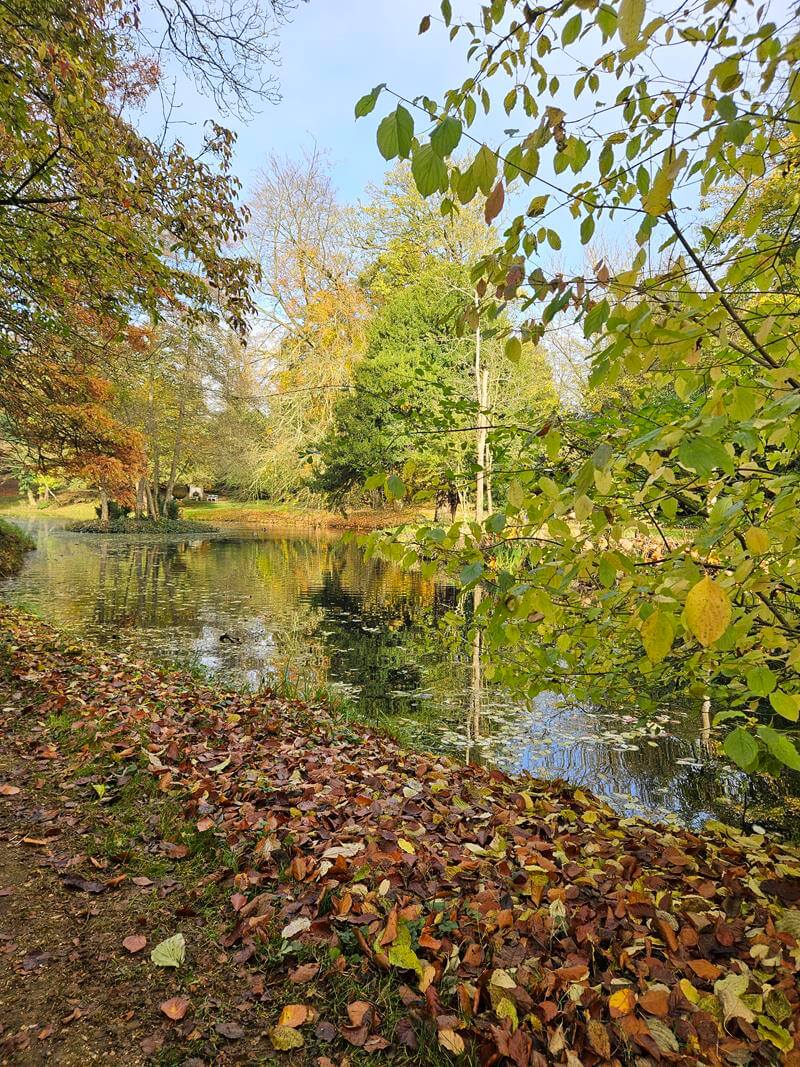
308, 609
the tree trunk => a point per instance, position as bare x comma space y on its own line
154, 449
140, 498
480, 454
176, 452
31, 498
151, 504
103, 504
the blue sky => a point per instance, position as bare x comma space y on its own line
334, 51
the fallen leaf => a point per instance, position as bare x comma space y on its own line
134, 942
304, 973
621, 1003
358, 1011
284, 1038
298, 926
293, 1015
451, 1041
9, 790
170, 953
175, 1008
232, 1030
705, 969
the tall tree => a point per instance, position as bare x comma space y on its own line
98, 224
716, 610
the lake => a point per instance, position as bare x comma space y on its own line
304, 610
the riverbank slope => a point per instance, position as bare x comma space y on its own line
338, 895
13, 546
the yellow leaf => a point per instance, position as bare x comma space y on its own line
452, 1041
621, 1003
708, 611
630, 19
406, 845
506, 1009
657, 636
284, 1038
757, 541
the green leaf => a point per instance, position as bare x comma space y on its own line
571, 29
761, 681
780, 747
757, 541
513, 349
786, 704
395, 487
741, 747
484, 168
471, 573
630, 19
446, 136
429, 170
402, 955
367, 103
658, 633
170, 953
395, 134
704, 455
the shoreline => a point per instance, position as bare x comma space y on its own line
468, 912
245, 516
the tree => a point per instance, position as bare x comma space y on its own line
715, 609
313, 313
399, 413
99, 225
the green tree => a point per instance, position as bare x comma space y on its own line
400, 411
715, 610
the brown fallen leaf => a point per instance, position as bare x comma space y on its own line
9, 790
232, 1030
304, 973
81, 885
705, 969
358, 1010
175, 1008
452, 1041
134, 942
655, 1002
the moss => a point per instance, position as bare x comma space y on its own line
13, 546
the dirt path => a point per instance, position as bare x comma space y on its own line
70, 993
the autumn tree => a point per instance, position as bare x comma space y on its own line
312, 311
98, 224
714, 609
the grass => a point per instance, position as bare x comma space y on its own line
14, 543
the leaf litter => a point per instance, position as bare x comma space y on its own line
524, 920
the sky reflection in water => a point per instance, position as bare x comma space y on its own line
309, 608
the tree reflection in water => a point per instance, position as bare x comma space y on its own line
309, 610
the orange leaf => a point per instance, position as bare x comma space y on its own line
175, 1008
705, 969
655, 1001
293, 1015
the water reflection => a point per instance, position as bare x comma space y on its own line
308, 609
